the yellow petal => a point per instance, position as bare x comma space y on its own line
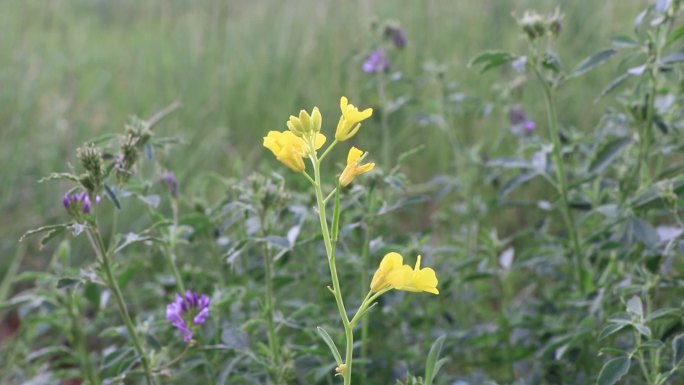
365, 168
390, 262
425, 280
400, 278
319, 141
354, 155
343, 103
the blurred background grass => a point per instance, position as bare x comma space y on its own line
74, 70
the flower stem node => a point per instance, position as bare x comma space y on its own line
341, 370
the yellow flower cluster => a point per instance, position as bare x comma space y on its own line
393, 274
303, 139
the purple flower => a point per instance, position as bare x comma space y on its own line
376, 62
519, 119
78, 202
86, 202
171, 183
186, 312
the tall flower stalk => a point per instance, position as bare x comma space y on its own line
104, 258
302, 141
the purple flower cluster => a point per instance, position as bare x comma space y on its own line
377, 62
78, 201
186, 312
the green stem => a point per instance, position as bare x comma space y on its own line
327, 150
640, 358
557, 153
101, 251
382, 100
80, 340
270, 314
330, 251
365, 264
172, 247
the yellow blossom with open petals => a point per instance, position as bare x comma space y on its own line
287, 148
390, 262
393, 274
349, 122
353, 168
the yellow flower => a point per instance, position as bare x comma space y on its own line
287, 148
353, 168
393, 274
305, 124
350, 120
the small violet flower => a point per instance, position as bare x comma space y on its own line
519, 119
171, 183
377, 62
186, 312
78, 202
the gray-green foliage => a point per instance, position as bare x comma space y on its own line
477, 194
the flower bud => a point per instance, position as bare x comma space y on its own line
171, 183
91, 160
532, 24
396, 34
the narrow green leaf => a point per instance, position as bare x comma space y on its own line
516, 182
643, 329
491, 59
331, 345
611, 86
675, 57
67, 282
644, 232
593, 61
624, 41
59, 175
607, 155
44, 229
664, 312
610, 330
613, 371
432, 364
651, 199
677, 350
674, 36
112, 196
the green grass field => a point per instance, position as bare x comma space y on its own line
71, 71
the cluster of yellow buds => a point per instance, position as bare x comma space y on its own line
303, 138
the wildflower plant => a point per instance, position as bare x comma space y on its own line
109, 172
301, 142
